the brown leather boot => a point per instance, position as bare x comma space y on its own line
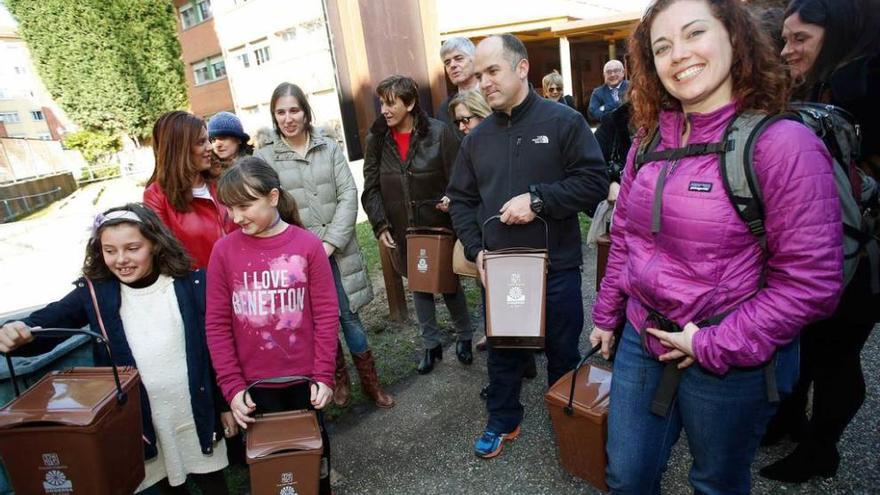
342, 392
366, 368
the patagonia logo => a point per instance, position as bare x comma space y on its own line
540, 140
700, 186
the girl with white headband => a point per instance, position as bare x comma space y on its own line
138, 289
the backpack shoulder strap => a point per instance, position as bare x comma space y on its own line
647, 153
738, 171
647, 146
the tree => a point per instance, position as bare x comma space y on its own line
113, 65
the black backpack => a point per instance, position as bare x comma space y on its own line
841, 135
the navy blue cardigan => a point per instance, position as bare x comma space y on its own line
76, 310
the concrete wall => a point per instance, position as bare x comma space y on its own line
21, 198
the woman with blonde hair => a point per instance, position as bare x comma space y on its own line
467, 109
553, 88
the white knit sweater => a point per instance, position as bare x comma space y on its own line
155, 333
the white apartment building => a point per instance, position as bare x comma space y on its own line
267, 42
26, 109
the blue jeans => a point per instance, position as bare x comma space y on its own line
352, 328
724, 418
563, 323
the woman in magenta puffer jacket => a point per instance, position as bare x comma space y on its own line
689, 282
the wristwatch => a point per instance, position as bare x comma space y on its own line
537, 204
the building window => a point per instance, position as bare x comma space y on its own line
261, 55
5, 94
243, 60
19, 69
187, 16
209, 70
204, 8
37, 115
218, 67
194, 13
9, 117
288, 34
202, 75
45, 136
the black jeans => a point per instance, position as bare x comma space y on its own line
292, 398
564, 321
831, 361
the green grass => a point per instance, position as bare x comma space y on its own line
369, 246
585, 222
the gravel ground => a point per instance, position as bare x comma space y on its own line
424, 444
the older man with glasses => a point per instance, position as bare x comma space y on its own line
607, 97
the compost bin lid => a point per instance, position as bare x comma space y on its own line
284, 431
591, 392
74, 397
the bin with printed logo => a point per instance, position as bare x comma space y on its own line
429, 260
75, 431
516, 287
284, 450
76, 350
578, 406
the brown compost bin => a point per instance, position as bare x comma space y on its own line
284, 453
429, 260
516, 288
581, 424
70, 434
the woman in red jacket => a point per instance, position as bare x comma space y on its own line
180, 190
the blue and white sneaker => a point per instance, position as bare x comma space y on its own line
490, 444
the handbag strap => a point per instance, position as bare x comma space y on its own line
97, 310
120, 396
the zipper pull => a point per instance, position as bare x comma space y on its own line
518, 140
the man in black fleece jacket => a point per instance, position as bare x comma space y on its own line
530, 157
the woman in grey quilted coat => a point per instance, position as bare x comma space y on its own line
313, 168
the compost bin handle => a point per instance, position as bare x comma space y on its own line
279, 379
498, 217
121, 396
568, 408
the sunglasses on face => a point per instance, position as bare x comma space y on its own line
463, 120
553, 89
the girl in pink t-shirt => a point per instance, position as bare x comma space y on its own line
272, 309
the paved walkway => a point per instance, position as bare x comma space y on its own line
424, 444
40, 258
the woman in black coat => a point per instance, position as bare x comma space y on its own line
407, 166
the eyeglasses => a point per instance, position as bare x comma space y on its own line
553, 89
464, 120
614, 71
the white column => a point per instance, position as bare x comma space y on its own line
565, 65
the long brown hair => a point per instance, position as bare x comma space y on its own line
759, 80
252, 178
169, 256
174, 135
